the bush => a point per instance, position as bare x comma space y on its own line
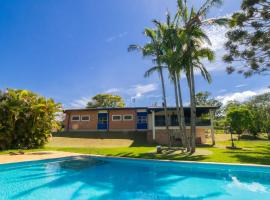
26, 119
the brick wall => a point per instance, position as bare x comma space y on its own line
163, 139
81, 125
92, 124
122, 125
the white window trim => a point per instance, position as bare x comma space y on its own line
75, 116
85, 116
117, 119
128, 119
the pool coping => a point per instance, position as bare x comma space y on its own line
142, 159
177, 161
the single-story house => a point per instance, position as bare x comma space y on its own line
136, 119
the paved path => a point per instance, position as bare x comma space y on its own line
41, 155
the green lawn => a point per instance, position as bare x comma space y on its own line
255, 152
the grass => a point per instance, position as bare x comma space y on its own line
253, 152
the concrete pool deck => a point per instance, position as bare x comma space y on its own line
31, 156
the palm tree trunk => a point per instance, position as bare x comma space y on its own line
178, 111
165, 107
182, 114
192, 112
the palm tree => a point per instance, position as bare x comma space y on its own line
154, 49
171, 47
194, 51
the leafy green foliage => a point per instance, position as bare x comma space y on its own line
26, 119
204, 99
249, 39
106, 101
239, 119
259, 107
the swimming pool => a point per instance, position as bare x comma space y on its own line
115, 178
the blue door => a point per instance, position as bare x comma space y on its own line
142, 120
102, 121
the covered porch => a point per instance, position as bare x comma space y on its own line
157, 126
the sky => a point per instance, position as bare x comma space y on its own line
71, 50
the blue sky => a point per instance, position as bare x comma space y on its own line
70, 50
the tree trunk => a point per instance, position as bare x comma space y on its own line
212, 128
192, 111
182, 114
165, 107
178, 111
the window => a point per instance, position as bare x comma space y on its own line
117, 117
160, 120
142, 119
174, 120
85, 118
127, 117
102, 120
75, 118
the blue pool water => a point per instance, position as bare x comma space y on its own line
113, 178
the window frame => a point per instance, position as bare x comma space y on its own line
132, 117
89, 118
117, 120
75, 119
142, 120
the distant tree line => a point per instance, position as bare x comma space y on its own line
251, 117
106, 101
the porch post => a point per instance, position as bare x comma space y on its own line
212, 127
153, 126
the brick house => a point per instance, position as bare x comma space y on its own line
150, 120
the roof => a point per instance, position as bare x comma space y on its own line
148, 108
90, 109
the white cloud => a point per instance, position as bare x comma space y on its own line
139, 90
80, 103
112, 38
241, 96
241, 85
112, 91
217, 37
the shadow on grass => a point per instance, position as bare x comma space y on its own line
151, 155
258, 155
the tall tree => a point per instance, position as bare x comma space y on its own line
154, 49
194, 51
106, 101
172, 46
248, 44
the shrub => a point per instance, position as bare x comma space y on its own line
26, 119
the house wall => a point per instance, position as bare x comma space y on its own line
160, 132
163, 139
81, 125
122, 125
92, 124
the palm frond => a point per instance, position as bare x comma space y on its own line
205, 74
152, 70
134, 47
203, 10
216, 21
